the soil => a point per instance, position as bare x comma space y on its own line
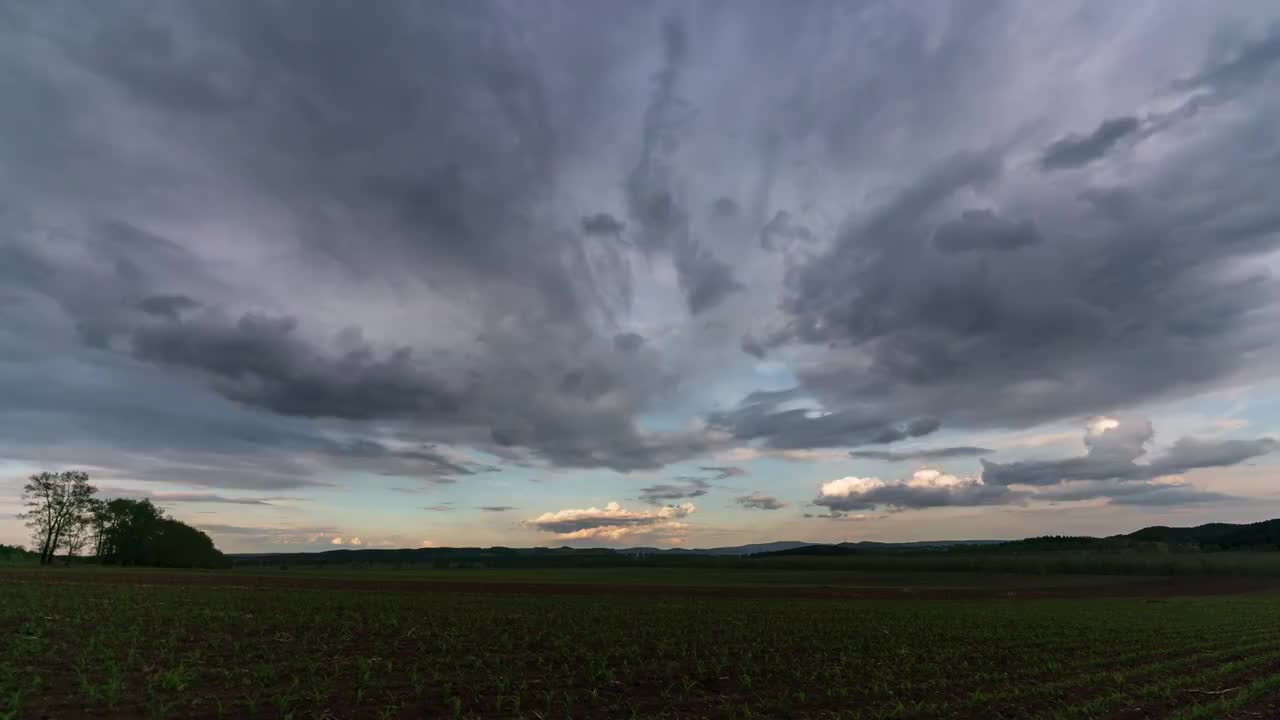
1123, 587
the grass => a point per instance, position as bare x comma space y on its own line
78, 643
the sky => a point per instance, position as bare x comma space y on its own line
322, 274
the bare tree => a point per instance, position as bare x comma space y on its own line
77, 535
56, 506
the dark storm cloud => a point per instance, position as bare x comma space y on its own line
652, 188
752, 347
1113, 451
260, 360
1108, 471
983, 230
463, 216
603, 224
169, 306
263, 361
1243, 68
760, 417
1190, 453
145, 425
99, 276
942, 453
1105, 312
1077, 150
706, 280
759, 501
425, 461
628, 342
781, 230
724, 207
427, 173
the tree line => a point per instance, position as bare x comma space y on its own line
65, 517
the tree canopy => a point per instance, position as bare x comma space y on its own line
56, 504
65, 516
136, 532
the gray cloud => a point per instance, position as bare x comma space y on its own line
724, 207
260, 360
169, 306
163, 498
1243, 67
752, 347
1063, 327
782, 230
603, 224
1190, 453
983, 230
663, 493
497, 508
1076, 150
628, 342
1113, 448
723, 472
942, 453
1170, 496
759, 501
288, 538
652, 188
690, 486
924, 489
294, 184
612, 522
1132, 493
760, 417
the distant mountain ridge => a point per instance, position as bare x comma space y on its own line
1211, 537
728, 551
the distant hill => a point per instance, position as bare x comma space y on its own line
868, 547
814, 551
1213, 537
752, 549
1263, 535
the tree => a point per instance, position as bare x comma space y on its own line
63, 514
77, 534
136, 532
180, 545
127, 531
56, 503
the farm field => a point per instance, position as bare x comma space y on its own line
172, 644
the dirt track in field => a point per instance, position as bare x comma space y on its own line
1122, 587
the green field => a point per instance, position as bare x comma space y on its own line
169, 644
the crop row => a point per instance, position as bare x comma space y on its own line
174, 651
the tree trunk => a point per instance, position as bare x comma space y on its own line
46, 548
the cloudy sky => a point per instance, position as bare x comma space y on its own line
633, 273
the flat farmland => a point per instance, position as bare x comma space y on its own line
168, 644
